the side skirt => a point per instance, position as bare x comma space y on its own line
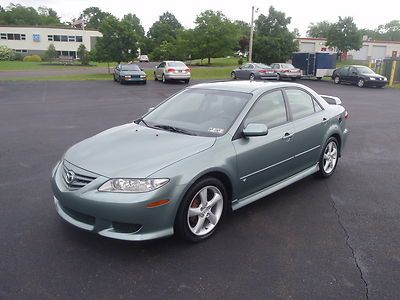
236, 204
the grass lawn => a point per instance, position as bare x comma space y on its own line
197, 73
28, 66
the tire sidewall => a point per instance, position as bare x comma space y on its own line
321, 171
337, 80
359, 81
181, 227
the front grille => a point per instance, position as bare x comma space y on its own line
84, 218
77, 179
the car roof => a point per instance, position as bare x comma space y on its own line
356, 66
242, 86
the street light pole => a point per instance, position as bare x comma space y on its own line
251, 35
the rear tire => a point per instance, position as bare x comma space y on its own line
278, 77
187, 81
337, 80
115, 79
155, 77
202, 210
164, 80
252, 77
233, 75
329, 158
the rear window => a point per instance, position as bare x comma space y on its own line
176, 64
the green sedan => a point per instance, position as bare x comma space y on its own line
207, 150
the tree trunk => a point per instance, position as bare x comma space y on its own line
209, 60
108, 64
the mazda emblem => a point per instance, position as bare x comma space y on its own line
69, 177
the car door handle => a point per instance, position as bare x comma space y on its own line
324, 120
287, 136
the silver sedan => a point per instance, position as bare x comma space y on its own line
172, 70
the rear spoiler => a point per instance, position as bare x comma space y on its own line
332, 100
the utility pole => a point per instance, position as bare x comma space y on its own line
251, 34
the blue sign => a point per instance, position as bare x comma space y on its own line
36, 37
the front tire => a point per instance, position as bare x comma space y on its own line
361, 83
201, 210
329, 158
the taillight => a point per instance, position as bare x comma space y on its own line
170, 70
187, 70
346, 115
263, 71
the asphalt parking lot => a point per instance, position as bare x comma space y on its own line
317, 239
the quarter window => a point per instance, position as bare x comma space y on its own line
300, 102
269, 110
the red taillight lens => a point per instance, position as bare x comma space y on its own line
346, 115
187, 70
262, 71
170, 70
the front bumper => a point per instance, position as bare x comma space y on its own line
122, 216
376, 82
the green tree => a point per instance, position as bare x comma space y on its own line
94, 16
344, 35
273, 42
319, 30
16, 14
83, 54
51, 53
243, 35
48, 16
390, 31
6, 53
165, 29
119, 41
215, 35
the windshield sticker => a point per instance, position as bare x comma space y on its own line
215, 130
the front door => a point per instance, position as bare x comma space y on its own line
263, 160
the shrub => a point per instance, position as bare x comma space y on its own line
240, 61
51, 53
33, 58
6, 53
83, 54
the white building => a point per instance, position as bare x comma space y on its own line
370, 50
36, 39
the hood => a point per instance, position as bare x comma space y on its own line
134, 151
372, 75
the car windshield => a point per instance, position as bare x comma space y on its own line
176, 64
365, 70
261, 66
287, 66
203, 112
130, 68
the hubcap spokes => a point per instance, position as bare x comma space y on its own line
330, 157
205, 210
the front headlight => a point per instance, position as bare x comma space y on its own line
133, 185
384, 78
127, 76
372, 78
142, 76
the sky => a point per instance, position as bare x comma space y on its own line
302, 12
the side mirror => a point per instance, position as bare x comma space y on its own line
255, 129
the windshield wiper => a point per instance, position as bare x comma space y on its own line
174, 129
143, 121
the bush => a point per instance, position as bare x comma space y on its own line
6, 53
18, 56
240, 61
33, 58
51, 53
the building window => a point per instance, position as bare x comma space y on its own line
3, 36
10, 36
71, 38
23, 37
72, 54
56, 38
17, 36
64, 38
79, 38
20, 50
50, 38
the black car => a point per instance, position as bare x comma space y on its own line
129, 73
253, 71
359, 75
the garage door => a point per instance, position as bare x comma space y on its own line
307, 47
361, 54
378, 52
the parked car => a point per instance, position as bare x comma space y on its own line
143, 58
172, 70
253, 71
284, 71
209, 149
359, 75
124, 73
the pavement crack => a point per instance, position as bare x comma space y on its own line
353, 252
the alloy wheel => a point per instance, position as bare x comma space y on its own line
330, 157
337, 80
360, 83
205, 210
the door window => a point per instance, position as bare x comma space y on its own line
269, 110
344, 71
301, 103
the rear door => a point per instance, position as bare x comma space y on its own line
344, 74
263, 160
309, 123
